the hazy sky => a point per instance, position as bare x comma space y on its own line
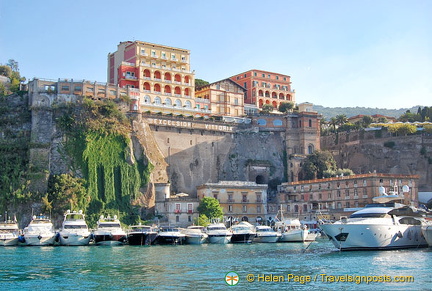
338, 53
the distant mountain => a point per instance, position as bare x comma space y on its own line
329, 112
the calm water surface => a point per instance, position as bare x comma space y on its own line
203, 267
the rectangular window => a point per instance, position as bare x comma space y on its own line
244, 208
65, 88
245, 85
258, 208
230, 208
78, 88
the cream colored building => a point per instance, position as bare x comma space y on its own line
332, 197
225, 97
239, 200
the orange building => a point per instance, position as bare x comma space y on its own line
264, 87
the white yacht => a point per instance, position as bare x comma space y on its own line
243, 232
195, 235
265, 234
427, 233
74, 231
9, 233
292, 230
39, 232
109, 231
385, 224
218, 233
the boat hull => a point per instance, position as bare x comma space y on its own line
296, 235
141, 239
39, 240
242, 237
196, 240
170, 240
109, 239
427, 233
5, 242
266, 238
219, 239
72, 239
374, 236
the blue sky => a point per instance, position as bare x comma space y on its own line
338, 53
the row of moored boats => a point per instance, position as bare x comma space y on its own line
74, 231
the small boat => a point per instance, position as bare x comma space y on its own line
195, 235
109, 232
243, 232
9, 233
39, 232
142, 235
218, 233
74, 231
265, 234
292, 230
385, 224
170, 236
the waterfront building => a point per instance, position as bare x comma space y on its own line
240, 200
225, 98
331, 198
264, 87
176, 210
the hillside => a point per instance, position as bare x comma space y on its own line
329, 112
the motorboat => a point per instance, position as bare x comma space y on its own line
195, 235
9, 233
74, 230
169, 235
39, 232
218, 233
427, 232
292, 230
142, 235
384, 224
242, 232
265, 234
109, 231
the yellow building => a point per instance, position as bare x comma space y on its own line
225, 98
239, 200
333, 197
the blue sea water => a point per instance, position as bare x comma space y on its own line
284, 266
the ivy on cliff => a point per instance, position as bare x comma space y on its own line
97, 141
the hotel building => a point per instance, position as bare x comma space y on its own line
161, 73
241, 201
225, 98
332, 197
264, 87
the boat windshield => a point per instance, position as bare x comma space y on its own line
109, 225
75, 227
216, 228
369, 215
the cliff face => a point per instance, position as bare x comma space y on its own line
383, 153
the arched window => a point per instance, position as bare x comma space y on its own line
157, 88
167, 89
277, 122
187, 92
262, 122
157, 75
310, 149
188, 104
147, 99
168, 77
168, 102
157, 100
146, 86
178, 103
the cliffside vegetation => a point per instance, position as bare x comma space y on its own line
321, 164
98, 147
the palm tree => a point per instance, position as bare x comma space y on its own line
341, 119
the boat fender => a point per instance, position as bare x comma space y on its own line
21, 239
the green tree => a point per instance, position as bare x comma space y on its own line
211, 208
286, 106
200, 83
316, 164
341, 119
267, 108
366, 121
65, 192
202, 220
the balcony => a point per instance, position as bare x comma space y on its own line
190, 211
177, 211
